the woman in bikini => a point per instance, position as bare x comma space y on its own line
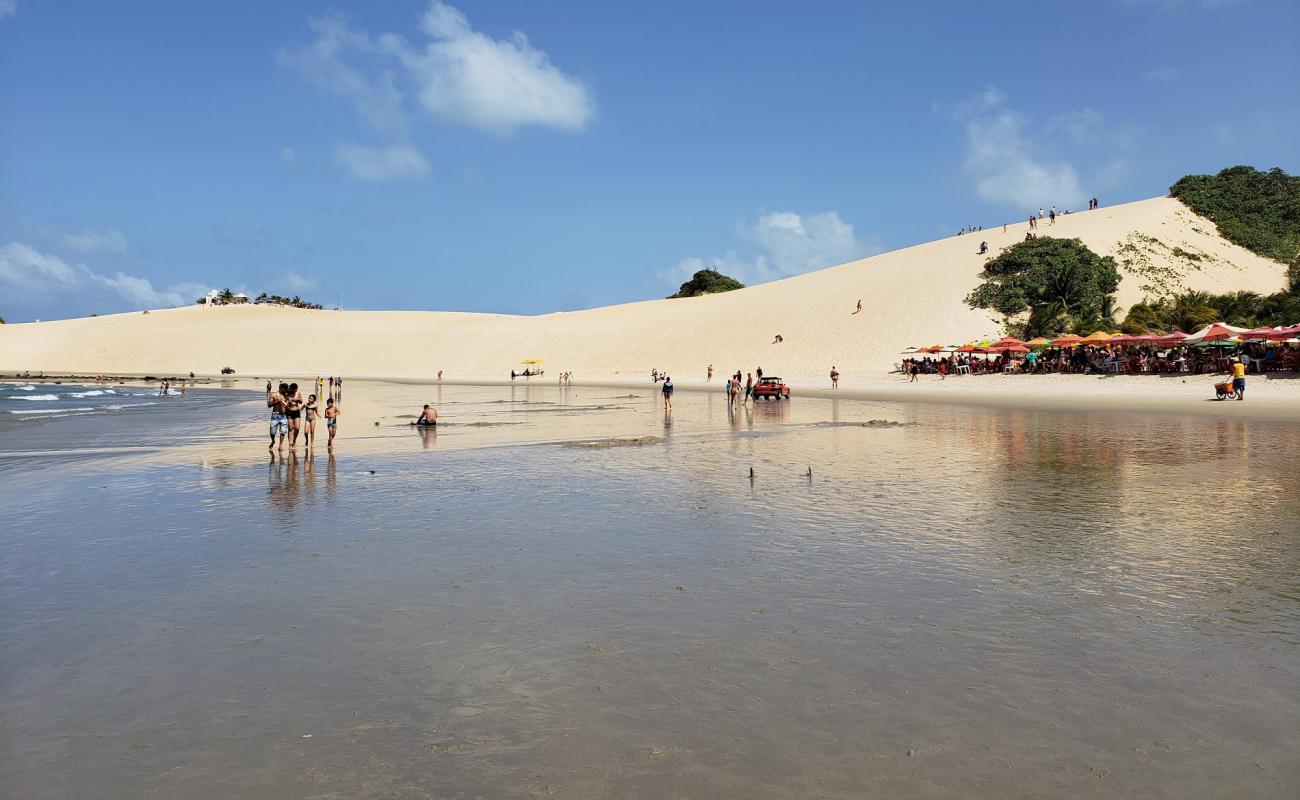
311, 413
293, 412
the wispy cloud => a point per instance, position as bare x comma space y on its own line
1009, 166
381, 164
298, 283
288, 155
8, 8
784, 243
83, 241
244, 235
23, 268
455, 73
1161, 74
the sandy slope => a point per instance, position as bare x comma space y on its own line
909, 297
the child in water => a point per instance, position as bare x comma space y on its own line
331, 421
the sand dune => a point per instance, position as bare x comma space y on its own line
909, 297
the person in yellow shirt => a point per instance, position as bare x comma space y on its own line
1239, 378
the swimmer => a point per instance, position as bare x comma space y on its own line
429, 416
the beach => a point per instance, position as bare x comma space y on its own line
912, 297
569, 593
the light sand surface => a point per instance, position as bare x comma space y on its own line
910, 297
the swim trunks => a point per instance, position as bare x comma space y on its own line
279, 425
1238, 383
331, 422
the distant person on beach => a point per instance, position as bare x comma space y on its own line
759, 372
984, 248
778, 339
331, 421
162, 389
668, 394
293, 411
278, 404
835, 378
749, 387
310, 412
710, 378
859, 310
268, 387
1239, 378
912, 371
439, 374
429, 416
726, 389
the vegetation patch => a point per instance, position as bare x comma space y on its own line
1045, 286
707, 281
1259, 211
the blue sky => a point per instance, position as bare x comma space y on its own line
527, 157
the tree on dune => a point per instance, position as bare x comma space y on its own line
1057, 285
707, 281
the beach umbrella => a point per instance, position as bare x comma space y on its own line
1041, 341
1068, 340
1015, 348
1171, 339
1215, 332
1284, 333
1008, 341
1097, 337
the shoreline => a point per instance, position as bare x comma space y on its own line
1268, 397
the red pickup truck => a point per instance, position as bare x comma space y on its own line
771, 387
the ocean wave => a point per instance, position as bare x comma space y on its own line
25, 388
51, 410
120, 406
91, 393
34, 397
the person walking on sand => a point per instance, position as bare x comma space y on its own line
859, 310
1239, 378
710, 377
293, 412
331, 421
749, 387
268, 387
277, 402
726, 389
668, 394
835, 378
912, 372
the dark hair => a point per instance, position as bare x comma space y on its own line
293, 387
284, 387
426, 405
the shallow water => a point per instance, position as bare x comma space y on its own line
975, 603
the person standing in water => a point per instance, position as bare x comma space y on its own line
668, 394
835, 378
293, 413
331, 421
309, 423
279, 422
710, 378
749, 387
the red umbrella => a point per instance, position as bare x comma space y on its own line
1171, 339
1216, 332
1015, 348
1007, 341
1284, 333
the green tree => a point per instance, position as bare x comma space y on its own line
1059, 284
1258, 210
707, 281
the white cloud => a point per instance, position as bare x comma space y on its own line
22, 267
322, 63
787, 243
381, 164
495, 84
25, 269
8, 8
457, 73
1007, 165
249, 235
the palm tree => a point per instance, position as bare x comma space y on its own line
226, 296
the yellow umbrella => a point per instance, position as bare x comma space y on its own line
533, 361
1097, 337
1041, 341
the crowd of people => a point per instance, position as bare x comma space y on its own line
294, 416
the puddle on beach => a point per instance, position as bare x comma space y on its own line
971, 602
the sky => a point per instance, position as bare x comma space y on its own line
529, 157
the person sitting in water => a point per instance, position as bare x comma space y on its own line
429, 416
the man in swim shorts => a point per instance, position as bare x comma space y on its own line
279, 423
668, 394
429, 416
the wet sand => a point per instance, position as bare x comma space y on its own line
975, 602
